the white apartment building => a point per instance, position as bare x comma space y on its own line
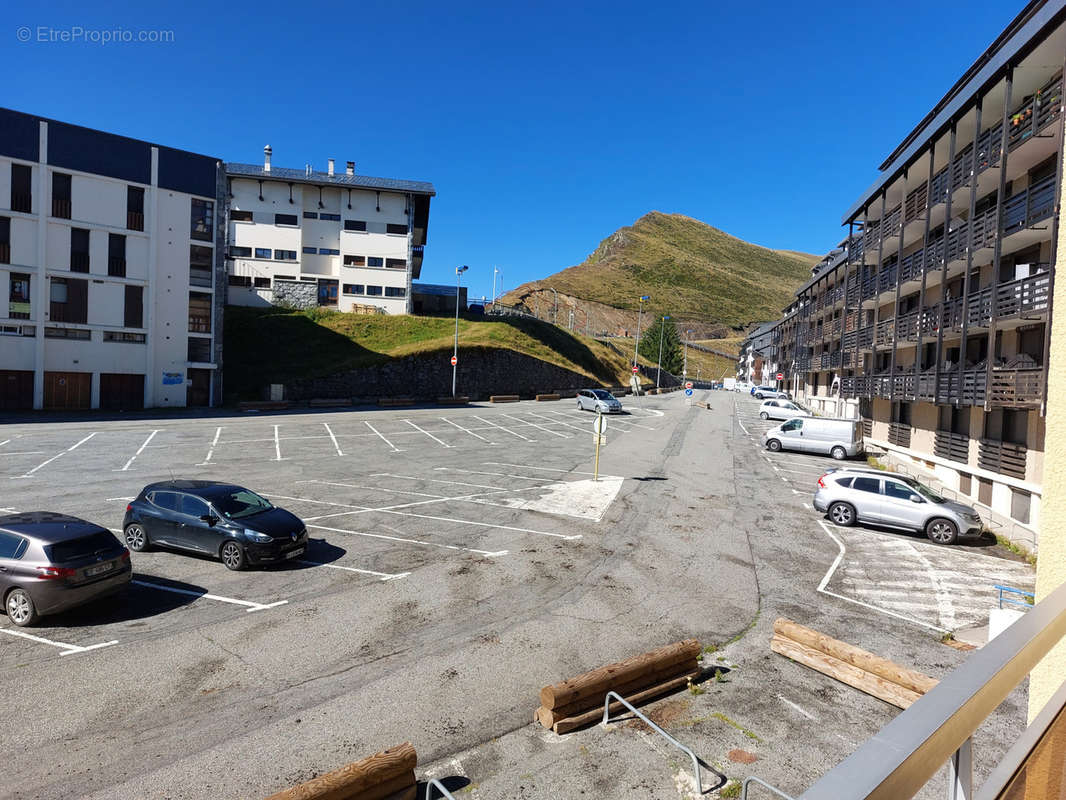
112, 261
304, 238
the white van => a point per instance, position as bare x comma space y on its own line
838, 438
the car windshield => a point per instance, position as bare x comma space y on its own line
926, 492
240, 503
602, 394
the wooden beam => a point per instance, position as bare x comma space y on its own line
384, 774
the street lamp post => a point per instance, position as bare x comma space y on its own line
455, 350
684, 369
640, 310
495, 272
659, 365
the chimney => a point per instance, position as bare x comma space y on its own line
266, 158
330, 170
350, 168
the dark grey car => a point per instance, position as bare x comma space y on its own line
51, 562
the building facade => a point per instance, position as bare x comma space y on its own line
931, 322
111, 256
303, 238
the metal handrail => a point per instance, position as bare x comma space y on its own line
750, 780
657, 729
1026, 604
909, 750
433, 782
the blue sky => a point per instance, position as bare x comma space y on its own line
545, 128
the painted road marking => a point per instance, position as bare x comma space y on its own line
277, 445
383, 576
560, 422
139, 451
395, 449
460, 427
58, 455
429, 480
456, 547
741, 424
67, 649
211, 450
502, 428
427, 433
250, 605
541, 427
499, 474
333, 438
542, 469
795, 707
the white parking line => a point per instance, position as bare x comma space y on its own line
250, 605
211, 450
741, 424
460, 427
67, 649
58, 455
500, 474
277, 445
383, 576
395, 449
139, 451
333, 438
541, 469
22, 453
502, 428
560, 422
427, 433
4, 442
456, 547
428, 480
541, 427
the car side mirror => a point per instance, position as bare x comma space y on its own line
916, 499
210, 519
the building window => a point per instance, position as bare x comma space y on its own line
355, 261
79, 250
203, 220
284, 277
199, 350
60, 195
201, 270
240, 216
1019, 505
285, 255
396, 263
286, 219
261, 283
116, 255
18, 304
21, 188
394, 228
329, 217
68, 333
310, 251
355, 225
5, 240
395, 291
328, 251
135, 208
124, 336
18, 330
310, 215
199, 312
373, 291
240, 252
69, 300
375, 261
353, 288
240, 280
262, 252
134, 308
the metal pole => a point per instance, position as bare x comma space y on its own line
659, 364
494, 271
455, 348
684, 369
599, 438
636, 346
555, 308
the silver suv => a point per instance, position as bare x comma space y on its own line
851, 495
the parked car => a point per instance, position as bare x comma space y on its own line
598, 400
852, 495
838, 438
743, 387
51, 562
222, 520
782, 409
763, 392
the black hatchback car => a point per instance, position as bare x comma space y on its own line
51, 562
217, 519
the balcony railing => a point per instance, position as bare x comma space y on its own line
1030, 206
60, 208
914, 205
22, 201
863, 338
869, 286
1035, 115
952, 446
1025, 297
1005, 458
5, 252
883, 333
886, 278
907, 327
135, 220
116, 266
899, 434
1017, 388
79, 262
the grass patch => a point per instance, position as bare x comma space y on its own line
718, 715
876, 464
1007, 544
731, 789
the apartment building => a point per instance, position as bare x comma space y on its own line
112, 261
931, 322
304, 238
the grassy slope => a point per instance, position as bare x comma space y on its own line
688, 268
273, 345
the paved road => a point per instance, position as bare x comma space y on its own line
461, 559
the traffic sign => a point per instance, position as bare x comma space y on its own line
688, 384
780, 376
636, 370
454, 361
599, 426
688, 393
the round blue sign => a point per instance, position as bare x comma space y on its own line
688, 393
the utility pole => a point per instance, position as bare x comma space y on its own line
684, 369
495, 272
640, 310
455, 351
662, 335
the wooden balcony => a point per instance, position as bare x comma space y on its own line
1005, 458
1017, 388
1026, 297
952, 446
1029, 206
1036, 114
907, 327
899, 434
883, 333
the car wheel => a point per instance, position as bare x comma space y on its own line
758, 396
842, 514
942, 531
20, 608
136, 538
763, 415
232, 555
773, 445
839, 453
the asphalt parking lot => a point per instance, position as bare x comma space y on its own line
460, 559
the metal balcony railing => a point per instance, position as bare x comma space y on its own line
914, 205
1029, 206
60, 208
1017, 388
1025, 297
883, 334
907, 327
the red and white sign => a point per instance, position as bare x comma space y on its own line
780, 376
688, 384
635, 370
454, 361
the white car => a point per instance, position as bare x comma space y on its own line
598, 400
781, 409
763, 392
743, 387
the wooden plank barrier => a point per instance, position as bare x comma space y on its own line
458, 400
543, 397
578, 701
877, 676
395, 402
503, 398
388, 775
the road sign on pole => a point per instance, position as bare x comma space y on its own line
780, 376
688, 393
599, 427
454, 361
636, 370
688, 384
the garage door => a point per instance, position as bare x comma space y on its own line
16, 390
67, 390
121, 392
199, 392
